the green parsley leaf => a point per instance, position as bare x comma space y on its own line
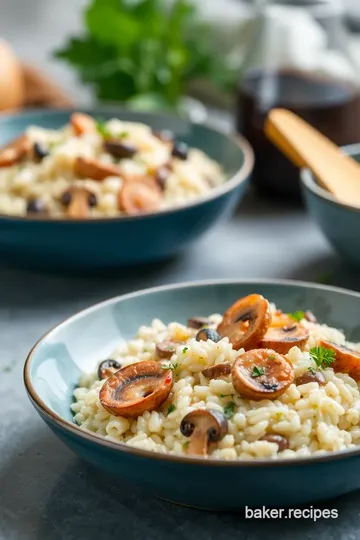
257, 371
185, 444
297, 315
225, 395
272, 357
322, 356
102, 129
185, 349
229, 409
312, 370
172, 367
171, 408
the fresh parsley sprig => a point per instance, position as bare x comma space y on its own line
297, 315
322, 356
172, 367
257, 371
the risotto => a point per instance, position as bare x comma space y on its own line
252, 383
92, 169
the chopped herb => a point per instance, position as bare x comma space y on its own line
322, 356
185, 349
123, 135
225, 395
171, 408
185, 444
272, 357
312, 370
297, 315
229, 409
170, 366
102, 129
257, 371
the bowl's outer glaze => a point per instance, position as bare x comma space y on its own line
339, 223
112, 243
53, 369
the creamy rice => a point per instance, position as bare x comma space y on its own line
315, 419
48, 179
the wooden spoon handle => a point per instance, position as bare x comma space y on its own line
307, 147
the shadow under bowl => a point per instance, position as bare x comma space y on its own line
109, 243
339, 222
55, 364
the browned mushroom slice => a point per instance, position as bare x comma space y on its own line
262, 374
165, 349
309, 376
246, 321
78, 201
346, 360
220, 370
136, 388
120, 149
139, 196
282, 442
94, 169
283, 334
203, 426
198, 322
107, 368
82, 123
15, 151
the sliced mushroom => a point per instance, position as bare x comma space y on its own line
208, 333
346, 360
78, 201
310, 376
95, 169
137, 388
36, 207
15, 151
82, 123
120, 149
219, 370
203, 426
310, 317
139, 196
246, 321
282, 442
107, 368
39, 152
161, 176
165, 349
262, 374
283, 334
198, 322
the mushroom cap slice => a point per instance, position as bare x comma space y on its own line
203, 426
15, 151
280, 440
80, 199
284, 333
346, 360
138, 196
137, 388
82, 123
246, 321
310, 377
262, 374
219, 370
95, 169
165, 349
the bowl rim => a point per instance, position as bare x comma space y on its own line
72, 428
232, 182
308, 181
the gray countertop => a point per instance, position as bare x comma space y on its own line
46, 493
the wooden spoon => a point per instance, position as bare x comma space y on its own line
307, 147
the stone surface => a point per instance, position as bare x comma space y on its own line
46, 493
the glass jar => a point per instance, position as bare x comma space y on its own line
298, 59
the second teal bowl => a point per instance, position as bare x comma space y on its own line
103, 244
339, 222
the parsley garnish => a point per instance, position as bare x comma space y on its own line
171, 366
272, 357
229, 409
257, 371
171, 408
185, 349
102, 129
185, 444
123, 135
225, 395
322, 356
312, 370
297, 315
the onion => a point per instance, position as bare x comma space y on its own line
11, 79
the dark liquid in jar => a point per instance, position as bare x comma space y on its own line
331, 107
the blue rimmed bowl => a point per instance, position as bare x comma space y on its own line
54, 365
110, 243
339, 222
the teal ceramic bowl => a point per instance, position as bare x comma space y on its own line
339, 222
103, 244
54, 365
